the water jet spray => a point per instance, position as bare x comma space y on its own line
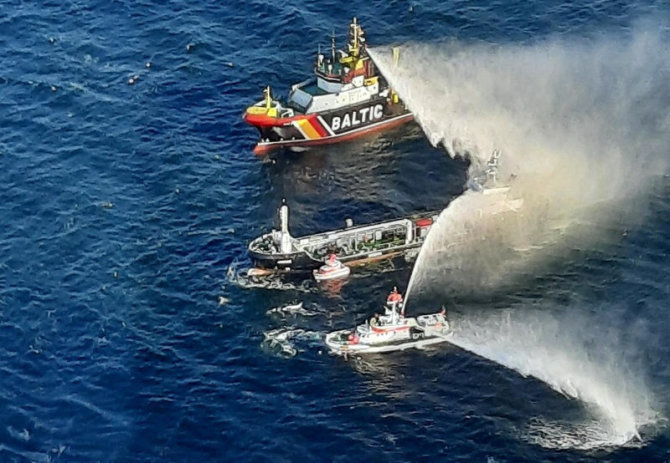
583, 128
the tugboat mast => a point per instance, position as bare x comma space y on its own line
332, 47
354, 38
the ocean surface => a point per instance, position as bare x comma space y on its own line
130, 191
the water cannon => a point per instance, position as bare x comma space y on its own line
492, 164
493, 160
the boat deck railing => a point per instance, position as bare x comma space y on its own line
361, 242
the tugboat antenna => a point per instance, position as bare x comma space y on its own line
332, 46
268, 97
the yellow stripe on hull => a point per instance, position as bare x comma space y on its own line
309, 131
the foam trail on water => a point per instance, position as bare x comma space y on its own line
584, 129
287, 341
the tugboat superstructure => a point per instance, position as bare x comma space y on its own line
346, 99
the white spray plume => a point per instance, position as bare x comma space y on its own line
552, 348
582, 125
584, 128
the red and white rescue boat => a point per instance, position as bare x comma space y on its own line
333, 269
391, 331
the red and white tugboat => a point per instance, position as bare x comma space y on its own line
348, 98
331, 270
391, 331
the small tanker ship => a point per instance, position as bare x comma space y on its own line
347, 98
278, 251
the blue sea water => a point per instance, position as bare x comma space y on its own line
124, 205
